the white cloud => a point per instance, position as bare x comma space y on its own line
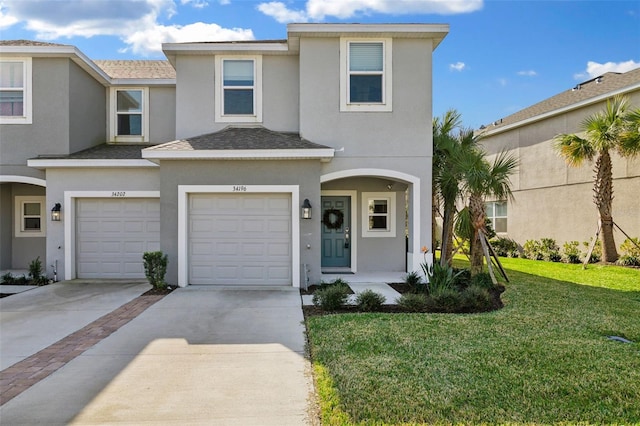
135, 22
458, 66
198, 4
595, 69
6, 20
528, 73
317, 10
149, 40
279, 11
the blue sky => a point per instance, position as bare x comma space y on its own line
499, 57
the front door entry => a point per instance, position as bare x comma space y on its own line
336, 232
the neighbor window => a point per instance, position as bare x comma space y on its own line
497, 213
130, 119
15, 91
366, 75
30, 216
378, 214
238, 92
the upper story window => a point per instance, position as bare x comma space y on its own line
497, 213
239, 89
15, 91
129, 114
365, 75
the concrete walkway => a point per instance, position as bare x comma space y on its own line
198, 356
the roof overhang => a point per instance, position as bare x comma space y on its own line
324, 155
52, 163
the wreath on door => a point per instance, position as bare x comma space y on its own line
333, 218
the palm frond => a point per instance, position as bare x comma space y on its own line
629, 139
574, 149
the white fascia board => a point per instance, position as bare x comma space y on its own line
333, 30
562, 110
241, 154
66, 163
143, 82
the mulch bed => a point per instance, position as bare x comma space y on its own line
312, 289
159, 291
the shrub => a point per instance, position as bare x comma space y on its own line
8, 279
571, 252
462, 278
413, 280
35, 272
412, 302
532, 249
550, 250
439, 277
444, 300
481, 280
476, 298
596, 254
505, 247
370, 301
630, 253
155, 268
331, 297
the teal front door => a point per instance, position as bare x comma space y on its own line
336, 232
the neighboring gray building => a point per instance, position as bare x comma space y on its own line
213, 155
551, 199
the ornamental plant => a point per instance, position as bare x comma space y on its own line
155, 268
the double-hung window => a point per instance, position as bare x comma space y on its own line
365, 75
30, 216
238, 90
15, 91
378, 214
497, 213
130, 117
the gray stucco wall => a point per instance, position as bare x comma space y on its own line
88, 179
305, 173
87, 110
554, 200
162, 114
22, 249
6, 225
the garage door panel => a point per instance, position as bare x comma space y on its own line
250, 235
113, 234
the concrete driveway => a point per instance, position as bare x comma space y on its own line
200, 355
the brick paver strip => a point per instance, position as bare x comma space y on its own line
26, 373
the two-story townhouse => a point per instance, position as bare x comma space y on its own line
552, 199
291, 158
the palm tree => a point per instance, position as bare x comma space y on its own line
615, 128
482, 179
449, 148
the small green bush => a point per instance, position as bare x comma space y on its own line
413, 280
8, 279
532, 249
439, 277
475, 299
462, 278
571, 252
412, 302
550, 250
481, 280
630, 253
35, 272
444, 300
331, 297
370, 301
155, 268
505, 247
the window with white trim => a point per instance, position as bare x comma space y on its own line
378, 214
15, 91
497, 214
30, 216
239, 89
129, 114
365, 75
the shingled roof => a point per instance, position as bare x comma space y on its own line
28, 43
102, 152
607, 83
138, 69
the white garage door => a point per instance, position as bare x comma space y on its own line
112, 235
242, 239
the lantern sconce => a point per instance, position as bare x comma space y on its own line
306, 209
55, 212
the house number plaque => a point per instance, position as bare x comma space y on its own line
239, 188
118, 194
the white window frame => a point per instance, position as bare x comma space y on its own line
390, 198
220, 116
492, 217
387, 78
20, 201
113, 119
27, 109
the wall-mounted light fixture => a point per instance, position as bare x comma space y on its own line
306, 209
55, 212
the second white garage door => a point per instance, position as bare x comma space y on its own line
240, 239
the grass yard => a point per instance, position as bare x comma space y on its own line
544, 358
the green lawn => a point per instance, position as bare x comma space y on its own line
544, 358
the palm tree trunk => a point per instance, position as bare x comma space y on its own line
446, 255
603, 197
476, 210
434, 224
